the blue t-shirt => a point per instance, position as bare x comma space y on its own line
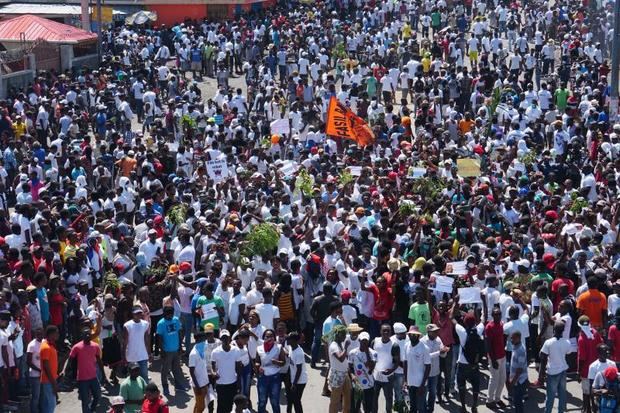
44, 305
169, 332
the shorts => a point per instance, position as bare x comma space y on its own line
585, 386
196, 65
387, 96
466, 373
473, 56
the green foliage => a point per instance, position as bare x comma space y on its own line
406, 208
578, 203
346, 177
177, 214
429, 188
188, 122
529, 158
262, 240
304, 182
110, 280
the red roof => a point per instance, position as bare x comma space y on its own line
35, 28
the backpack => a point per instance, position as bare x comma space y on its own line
474, 347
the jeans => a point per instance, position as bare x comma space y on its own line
556, 385
431, 388
144, 369
48, 398
269, 388
187, 320
417, 402
397, 382
246, 380
86, 389
317, 345
388, 392
367, 401
445, 383
171, 361
518, 393
35, 394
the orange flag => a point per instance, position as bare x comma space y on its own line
343, 123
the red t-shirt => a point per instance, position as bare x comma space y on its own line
586, 352
158, 406
56, 300
494, 332
384, 301
614, 338
555, 286
86, 359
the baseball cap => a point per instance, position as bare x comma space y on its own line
399, 328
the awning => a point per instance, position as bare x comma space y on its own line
42, 9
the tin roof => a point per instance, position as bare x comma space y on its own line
37, 28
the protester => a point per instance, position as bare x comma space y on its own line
319, 167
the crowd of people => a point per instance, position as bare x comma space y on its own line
218, 237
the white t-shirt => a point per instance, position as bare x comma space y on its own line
417, 358
598, 367
266, 359
136, 347
556, 350
34, 348
520, 325
334, 363
200, 367
297, 358
384, 358
267, 312
233, 309
225, 364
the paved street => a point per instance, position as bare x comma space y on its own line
313, 401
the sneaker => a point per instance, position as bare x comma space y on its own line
491, 405
501, 404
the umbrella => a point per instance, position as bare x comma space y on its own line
141, 17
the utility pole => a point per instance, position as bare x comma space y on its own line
85, 16
615, 64
99, 40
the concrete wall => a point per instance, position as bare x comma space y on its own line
19, 80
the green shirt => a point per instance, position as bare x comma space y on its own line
371, 86
420, 314
209, 310
435, 19
542, 277
133, 390
561, 98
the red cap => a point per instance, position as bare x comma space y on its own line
611, 373
551, 215
185, 266
345, 295
392, 175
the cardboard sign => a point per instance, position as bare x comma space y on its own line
418, 172
355, 170
280, 127
468, 167
217, 169
470, 295
444, 284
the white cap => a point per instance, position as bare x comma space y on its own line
399, 328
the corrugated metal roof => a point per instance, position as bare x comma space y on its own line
45, 9
35, 28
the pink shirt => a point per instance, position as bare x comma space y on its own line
86, 355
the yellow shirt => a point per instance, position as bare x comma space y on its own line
426, 64
406, 31
20, 129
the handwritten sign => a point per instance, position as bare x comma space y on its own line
468, 167
288, 168
470, 295
217, 169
